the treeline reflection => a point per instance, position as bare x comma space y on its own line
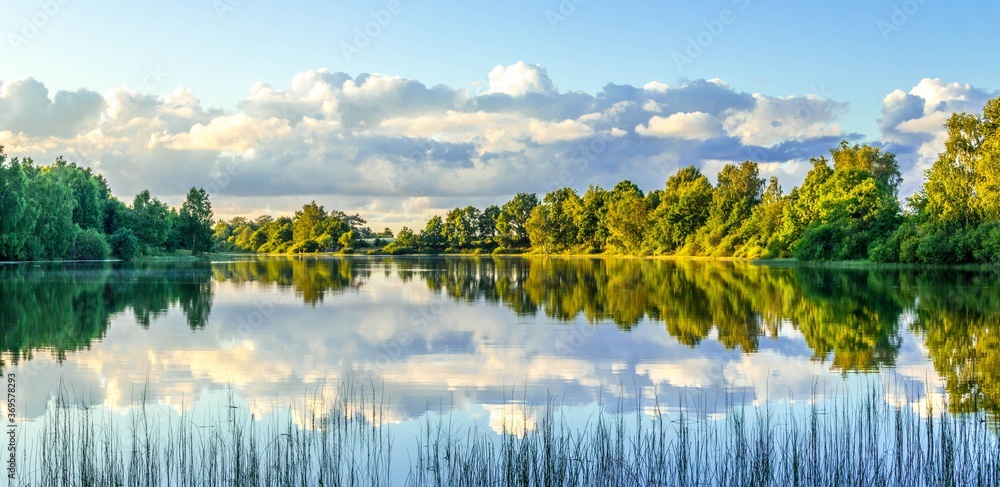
64, 307
852, 318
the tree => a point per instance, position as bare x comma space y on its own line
626, 218
512, 218
487, 224
590, 221
738, 191
195, 221
460, 226
148, 220
683, 209
124, 244
89, 245
406, 238
759, 233
346, 239
882, 166
552, 224
17, 218
309, 222
52, 204
433, 234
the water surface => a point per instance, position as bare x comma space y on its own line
476, 337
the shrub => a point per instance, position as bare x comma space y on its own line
304, 247
819, 242
89, 245
124, 244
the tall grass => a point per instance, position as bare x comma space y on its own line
856, 440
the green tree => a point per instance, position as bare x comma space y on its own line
487, 224
683, 209
17, 217
195, 221
626, 218
433, 234
148, 220
54, 229
738, 191
512, 218
124, 244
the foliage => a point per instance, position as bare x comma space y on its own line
90, 244
125, 244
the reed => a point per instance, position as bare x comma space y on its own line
852, 440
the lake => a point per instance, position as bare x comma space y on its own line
487, 351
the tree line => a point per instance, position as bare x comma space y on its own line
64, 211
847, 208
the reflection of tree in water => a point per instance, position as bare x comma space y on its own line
312, 278
64, 307
958, 315
851, 314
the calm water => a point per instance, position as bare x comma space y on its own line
476, 337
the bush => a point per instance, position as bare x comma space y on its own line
819, 242
987, 239
395, 248
124, 244
304, 247
89, 245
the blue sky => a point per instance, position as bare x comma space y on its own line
852, 54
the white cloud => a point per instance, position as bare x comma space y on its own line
694, 126
912, 123
519, 79
388, 139
777, 119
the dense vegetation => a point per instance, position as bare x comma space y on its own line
64, 211
846, 209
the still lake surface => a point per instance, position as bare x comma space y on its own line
482, 339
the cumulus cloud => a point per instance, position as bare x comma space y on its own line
375, 143
912, 123
695, 126
519, 79
25, 107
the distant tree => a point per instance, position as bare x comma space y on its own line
148, 220
512, 218
195, 221
626, 218
17, 217
346, 239
406, 237
682, 210
738, 191
124, 244
486, 227
89, 245
433, 234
